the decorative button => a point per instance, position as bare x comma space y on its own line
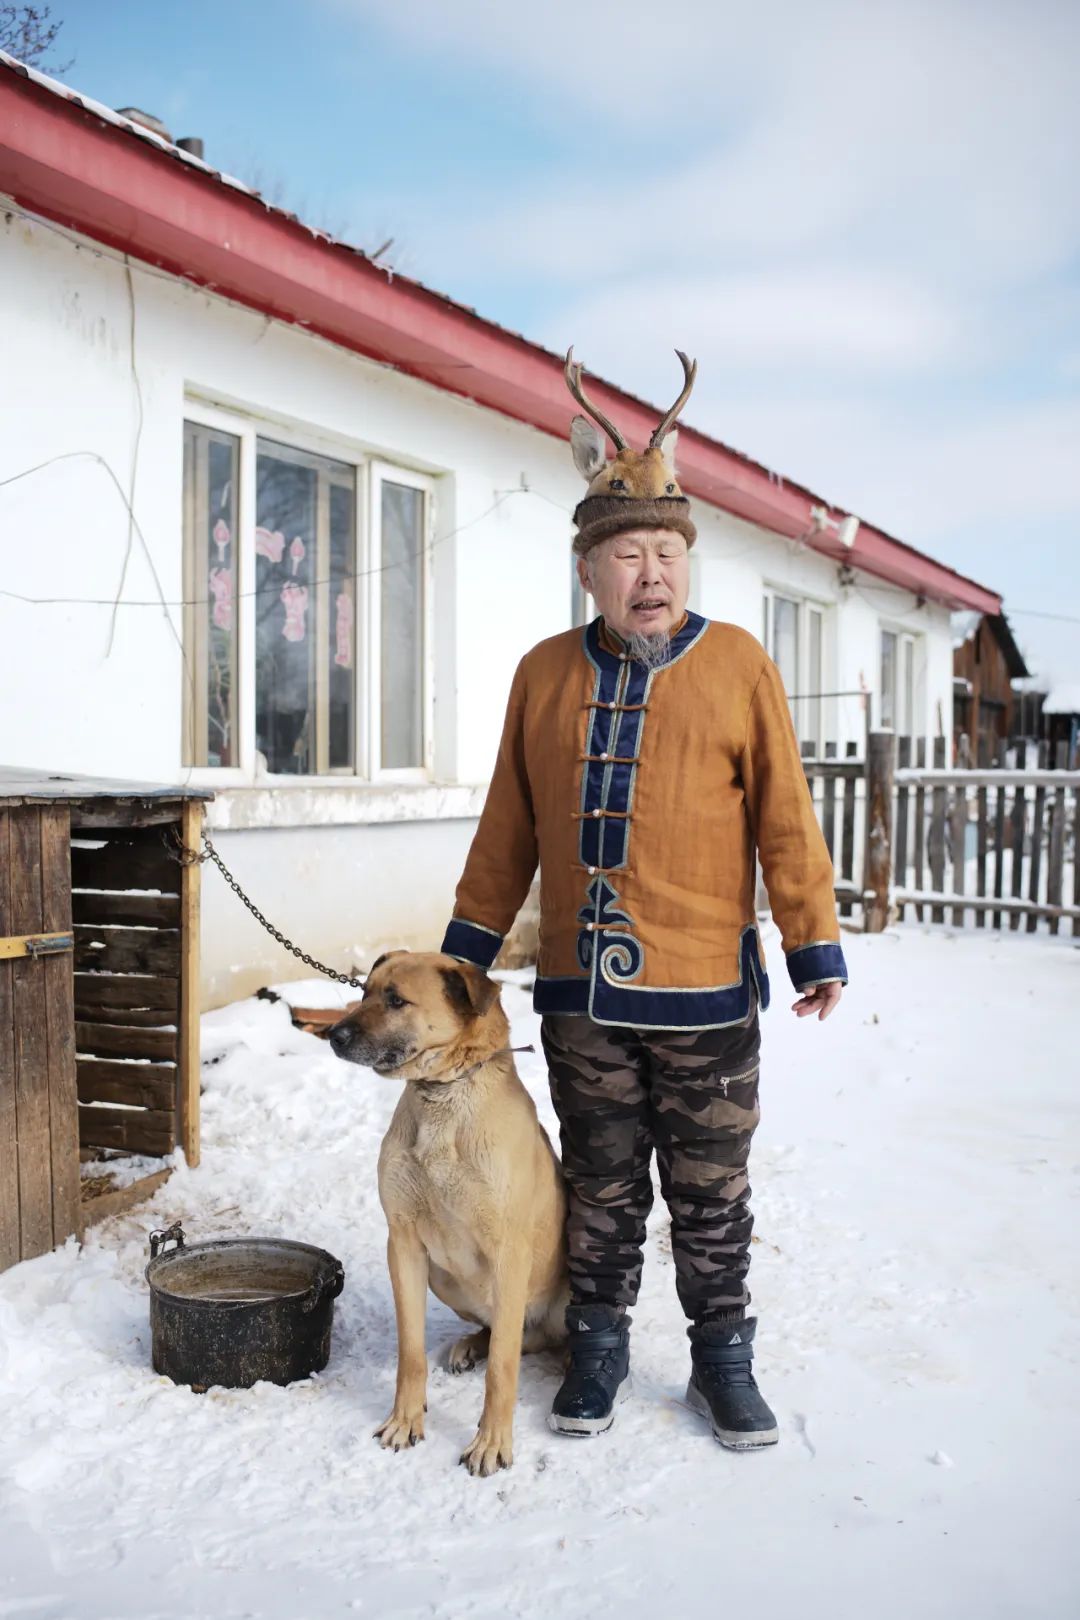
596, 812
592, 871
612, 705
605, 756
591, 927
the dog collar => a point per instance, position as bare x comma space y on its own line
435, 1088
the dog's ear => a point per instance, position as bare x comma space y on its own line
385, 957
468, 989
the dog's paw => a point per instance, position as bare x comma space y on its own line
401, 1429
491, 1450
465, 1353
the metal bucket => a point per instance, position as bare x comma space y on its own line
237, 1310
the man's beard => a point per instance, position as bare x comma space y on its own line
652, 651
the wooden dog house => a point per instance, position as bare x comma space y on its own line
99, 998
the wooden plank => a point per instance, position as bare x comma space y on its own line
136, 859
936, 838
828, 807
30, 1019
97, 818
189, 1080
1076, 863
135, 1130
136, 1085
127, 950
1018, 820
60, 1024
847, 837
920, 825
1055, 872
900, 859
10, 1240
124, 1041
1022, 907
124, 1198
128, 991
125, 1018
999, 834
880, 748
990, 777
958, 824
981, 818
138, 910
1035, 865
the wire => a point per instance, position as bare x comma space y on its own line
183, 602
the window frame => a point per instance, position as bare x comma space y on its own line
379, 472
905, 691
369, 470
805, 606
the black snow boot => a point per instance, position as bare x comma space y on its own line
722, 1386
598, 1377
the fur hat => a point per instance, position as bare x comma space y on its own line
637, 489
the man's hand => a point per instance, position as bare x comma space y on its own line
821, 1000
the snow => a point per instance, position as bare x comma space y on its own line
916, 1275
1063, 699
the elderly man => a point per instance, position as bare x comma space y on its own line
642, 762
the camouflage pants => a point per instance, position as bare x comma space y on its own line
691, 1095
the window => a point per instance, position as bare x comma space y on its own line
211, 462
896, 706
305, 612
306, 630
793, 633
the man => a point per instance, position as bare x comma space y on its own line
642, 761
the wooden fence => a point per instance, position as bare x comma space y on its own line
970, 846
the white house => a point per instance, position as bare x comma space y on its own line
349, 515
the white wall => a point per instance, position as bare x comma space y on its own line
97, 356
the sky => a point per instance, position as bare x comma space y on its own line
862, 217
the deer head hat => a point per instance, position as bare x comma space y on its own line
636, 489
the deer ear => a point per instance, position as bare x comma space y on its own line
668, 446
587, 444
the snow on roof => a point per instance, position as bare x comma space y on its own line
1063, 699
964, 625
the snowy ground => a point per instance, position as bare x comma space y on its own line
917, 1278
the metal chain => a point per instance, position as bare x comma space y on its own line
192, 857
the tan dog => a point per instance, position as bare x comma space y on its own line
472, 1191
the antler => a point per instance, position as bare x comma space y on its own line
664, 426
572, 372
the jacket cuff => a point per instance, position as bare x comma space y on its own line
822, 963
471, 942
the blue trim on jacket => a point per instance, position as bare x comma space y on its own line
638, 1007
471, 942
815, 964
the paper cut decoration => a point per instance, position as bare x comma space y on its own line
270, 544
295, 600
297, 552
343, 626
221, 585
222, 535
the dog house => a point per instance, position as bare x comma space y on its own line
99, 999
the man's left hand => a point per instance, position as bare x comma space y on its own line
821, 1000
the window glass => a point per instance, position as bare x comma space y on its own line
812, 706
888, 678
401, 586
304, 655
907, 719
785, 648
211, 468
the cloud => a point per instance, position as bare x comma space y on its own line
863, 219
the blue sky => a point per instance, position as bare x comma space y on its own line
864, 219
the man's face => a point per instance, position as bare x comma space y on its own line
640, 580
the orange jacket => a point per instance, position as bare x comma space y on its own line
641, 796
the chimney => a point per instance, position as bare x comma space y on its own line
147, 120
192, 144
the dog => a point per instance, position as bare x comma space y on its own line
470, 1185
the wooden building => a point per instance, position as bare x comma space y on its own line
986, 661
99, 999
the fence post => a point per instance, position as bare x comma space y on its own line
877, 867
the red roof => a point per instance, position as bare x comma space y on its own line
83, 166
